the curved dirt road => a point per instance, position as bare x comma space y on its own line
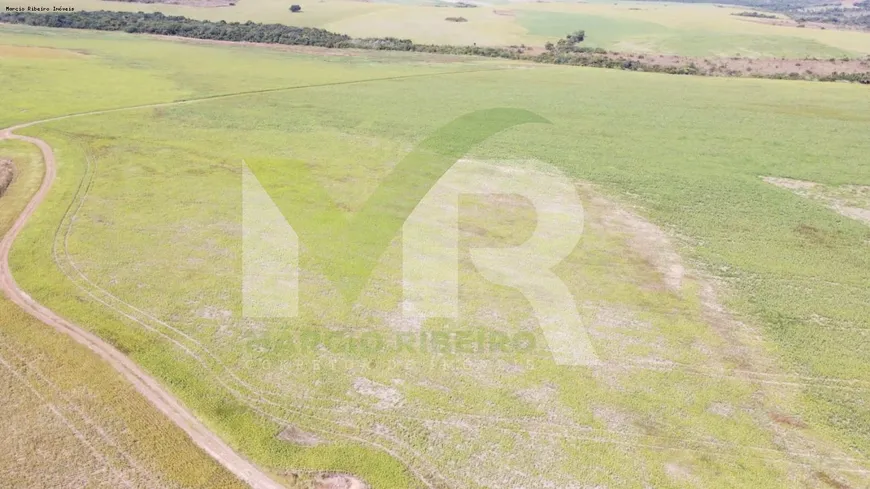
144, 383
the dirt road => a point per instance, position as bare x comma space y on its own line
144, 383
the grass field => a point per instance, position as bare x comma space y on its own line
61, 403
146, 227
684, 29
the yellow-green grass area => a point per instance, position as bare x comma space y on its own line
673, 28
69, 420
103, 71
146, 221
685, 29
49, 73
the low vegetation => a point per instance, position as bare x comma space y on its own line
60, 402
757, 15
565, 52
805, 11
7, 173
835, 16
730, 315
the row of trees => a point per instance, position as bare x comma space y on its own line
757, 15
566, 51
158, 23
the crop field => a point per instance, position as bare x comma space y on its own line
672, 28
728, 314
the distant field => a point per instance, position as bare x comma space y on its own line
729, 314
685, 29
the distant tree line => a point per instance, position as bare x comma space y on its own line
158, 23
564, 52
837, 16
757, 15
821, 11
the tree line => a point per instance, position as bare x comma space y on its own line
757, 15
565, 52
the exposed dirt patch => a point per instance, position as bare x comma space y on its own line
852, 201
7, 174
338, 481
827, 479
721, 409
618, 331
679, 473
788, 420
292, 434
856, 213
789, 183
616, 419
647, 240
387, 396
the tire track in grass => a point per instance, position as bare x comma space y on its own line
249, 399
607, 436
141, 381
79, 412
95, 454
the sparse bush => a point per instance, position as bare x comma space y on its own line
295, 8
576, 37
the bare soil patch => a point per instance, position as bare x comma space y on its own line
292, 434
647, 240
787, 420
7, 174
827, 479
338, 481
852, 201
387, 396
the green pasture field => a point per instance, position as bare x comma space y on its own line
145, 224
59, 402
672, 28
